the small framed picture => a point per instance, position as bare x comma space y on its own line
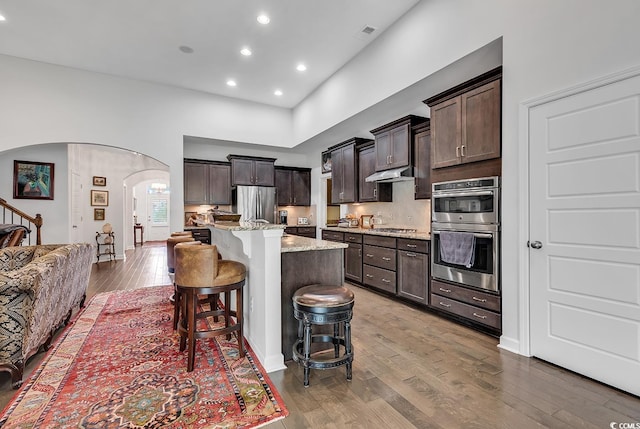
326, 162
99, 181
98, 214
366, 221
99, 198
33, 180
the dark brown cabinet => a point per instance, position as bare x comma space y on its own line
252, 171
472, 305
304, 231
344, 176
466, 122
353, 257
370, 191
207, 182
422, 162
293, 185
394, 142
379, 263
413, 270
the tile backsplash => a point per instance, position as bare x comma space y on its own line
403, 212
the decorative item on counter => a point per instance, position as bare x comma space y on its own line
366, 221
303, 221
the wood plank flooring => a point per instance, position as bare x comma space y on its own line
412, 369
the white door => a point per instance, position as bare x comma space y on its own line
585, 213
76, 208
157, 217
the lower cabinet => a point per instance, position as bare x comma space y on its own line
379, 263
413, 270
473, 305
353, 257
304, 231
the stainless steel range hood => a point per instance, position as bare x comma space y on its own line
395, 175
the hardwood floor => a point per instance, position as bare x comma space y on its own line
412, 369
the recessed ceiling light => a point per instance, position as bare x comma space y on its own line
277, 92
263, 19
186, 49
231, 82
301, 67
2, 18
245, 51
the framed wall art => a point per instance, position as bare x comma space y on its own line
99, 198
98, 214
33, 180
99, 181
366, 221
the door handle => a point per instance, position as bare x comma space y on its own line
534, 244
462, 150
385, 258
457, 151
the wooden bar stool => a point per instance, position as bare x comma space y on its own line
171, 264
198, 271
323, 305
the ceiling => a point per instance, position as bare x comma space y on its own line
140, 39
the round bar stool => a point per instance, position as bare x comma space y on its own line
200, 272
323, 305
171, 265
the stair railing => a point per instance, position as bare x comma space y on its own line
13, 215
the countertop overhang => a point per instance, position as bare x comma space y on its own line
245, 226
296, 243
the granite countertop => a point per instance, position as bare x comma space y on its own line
245, 226
418, 235
296, 243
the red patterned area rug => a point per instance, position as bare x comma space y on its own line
118, 366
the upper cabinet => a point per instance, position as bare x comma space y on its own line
344, 176
466, 121
252, 170
422, 161
207, 182
393, 147
293, 185
370, 191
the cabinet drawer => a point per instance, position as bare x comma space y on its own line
307, 231
350, 237
291, 230
380, 257
333, 236
379, 278
478, 315
421, 246
470, 296
379, 240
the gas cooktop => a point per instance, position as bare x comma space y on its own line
396, 230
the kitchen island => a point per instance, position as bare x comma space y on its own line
276, 265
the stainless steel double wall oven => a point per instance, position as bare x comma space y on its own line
471, 206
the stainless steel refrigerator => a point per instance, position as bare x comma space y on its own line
255, 203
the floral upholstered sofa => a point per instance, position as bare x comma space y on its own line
39, 288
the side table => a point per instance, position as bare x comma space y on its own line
137, 227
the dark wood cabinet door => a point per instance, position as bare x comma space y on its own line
413, 276
366, 167
446, 133
195, 183
242, 172
481, 115
301, 187
337, 177
350, 175
353, 262
219, 184
399, 153
422, 169
263, 173
283, 186
383, 150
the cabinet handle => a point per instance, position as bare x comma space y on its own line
390, 159
294, 200
462, 150
479, 316
359, 252
369, 275
478, 299
413, 246
444, 290
386, 259
411, 255
457, 151
445, 305
386, 281
369, 255
375, 191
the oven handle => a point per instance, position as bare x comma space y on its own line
475, 234
463, 194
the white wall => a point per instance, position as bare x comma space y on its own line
547, 45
